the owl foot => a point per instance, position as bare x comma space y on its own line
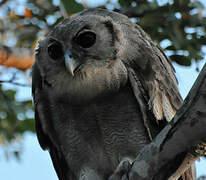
121, 172
200, 150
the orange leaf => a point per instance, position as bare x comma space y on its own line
20, 26
186, 16
27, 13
68, 15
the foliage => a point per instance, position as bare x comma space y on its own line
180, 23
19, 30
178, 26
202, 178
14, 116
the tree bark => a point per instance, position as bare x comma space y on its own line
172, 144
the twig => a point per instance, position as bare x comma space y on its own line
3, 2
14, 83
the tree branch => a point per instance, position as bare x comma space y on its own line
186, 131
17, 58
14, 83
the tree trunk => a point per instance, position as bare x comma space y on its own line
161, 158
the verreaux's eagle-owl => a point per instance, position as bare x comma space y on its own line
102, 90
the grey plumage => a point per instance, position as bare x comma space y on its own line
97, 102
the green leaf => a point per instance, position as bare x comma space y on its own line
124, 3
26, 125
171, 48
71, 6
181, 60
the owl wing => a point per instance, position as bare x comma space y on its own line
153, 80
156, 88
43, 124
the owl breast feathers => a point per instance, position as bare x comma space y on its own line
102, 90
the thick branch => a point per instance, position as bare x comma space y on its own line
186, 130
17, 58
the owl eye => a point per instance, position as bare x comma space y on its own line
86, 39
55, 50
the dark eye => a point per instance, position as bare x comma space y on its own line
55, 50
86, 39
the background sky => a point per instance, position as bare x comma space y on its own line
35, 163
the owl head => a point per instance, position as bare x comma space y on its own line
86, 56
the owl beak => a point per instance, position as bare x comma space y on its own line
70, 62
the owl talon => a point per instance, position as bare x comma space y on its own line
121, 173
201, 149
